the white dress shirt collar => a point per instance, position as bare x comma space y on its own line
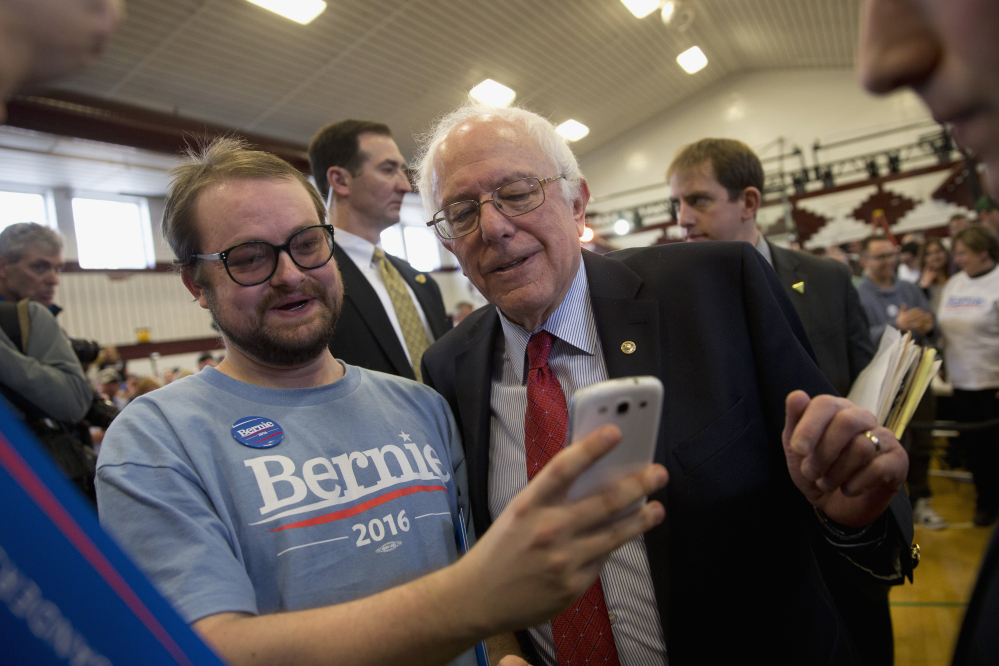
564, 324
358, 249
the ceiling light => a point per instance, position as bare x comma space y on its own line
692, 60
641, 8
572, 131
587, 235
492, 93
668, 9
622, 226
300, 11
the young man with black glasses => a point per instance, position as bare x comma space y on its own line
298, 509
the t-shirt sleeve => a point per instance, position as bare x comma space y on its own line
152, 501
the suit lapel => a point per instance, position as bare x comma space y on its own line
361, 294
473, 382
788, 270
622, 318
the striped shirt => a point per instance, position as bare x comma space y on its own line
577, 361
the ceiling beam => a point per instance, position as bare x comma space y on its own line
96, 119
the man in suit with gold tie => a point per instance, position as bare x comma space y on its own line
391, 311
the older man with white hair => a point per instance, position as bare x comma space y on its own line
763, 476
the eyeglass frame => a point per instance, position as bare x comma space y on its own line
478, 211
223, 256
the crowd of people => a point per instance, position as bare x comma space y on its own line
300, 501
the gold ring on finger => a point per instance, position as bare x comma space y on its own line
874, 440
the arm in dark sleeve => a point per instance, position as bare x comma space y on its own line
49, 376
786, 364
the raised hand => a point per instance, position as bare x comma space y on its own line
840, 469
541, 554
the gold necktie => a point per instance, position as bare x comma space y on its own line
405, 311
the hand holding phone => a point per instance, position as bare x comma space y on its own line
633, 404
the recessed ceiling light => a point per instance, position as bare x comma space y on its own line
587, 235
641, 8
622, 226
492, 93
668, 10
692, 60
300, 11
572, 130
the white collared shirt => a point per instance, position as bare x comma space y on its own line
361, 252
577, 361
764, 248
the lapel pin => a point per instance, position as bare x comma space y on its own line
421, 278
628, 347
799, 287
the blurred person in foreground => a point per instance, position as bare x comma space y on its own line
969, 322
41, 40
947, 51
298, 509
753, 459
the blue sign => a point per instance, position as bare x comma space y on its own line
57, 566
257, 432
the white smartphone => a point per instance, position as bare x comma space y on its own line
633, 404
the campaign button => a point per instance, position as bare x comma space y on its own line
257, 432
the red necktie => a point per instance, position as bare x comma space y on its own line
583, 633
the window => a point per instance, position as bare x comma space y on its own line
421, 248
113, 233
392, 241
23, 207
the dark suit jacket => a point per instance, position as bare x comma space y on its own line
733, 565
978, 643
830, 309
837, 328
364, 335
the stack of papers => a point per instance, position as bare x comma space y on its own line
894, 382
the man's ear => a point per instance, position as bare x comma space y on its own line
751, 200
3, 268
339, 180
187, 277
579, 206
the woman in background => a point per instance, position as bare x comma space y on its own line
934, 271
968, 318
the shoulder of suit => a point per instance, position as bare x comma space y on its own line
819, 265
678, 251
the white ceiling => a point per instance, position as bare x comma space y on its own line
41, 160
405, 62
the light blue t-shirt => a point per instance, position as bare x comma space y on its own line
361, 493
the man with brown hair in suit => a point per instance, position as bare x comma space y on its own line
391, 312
